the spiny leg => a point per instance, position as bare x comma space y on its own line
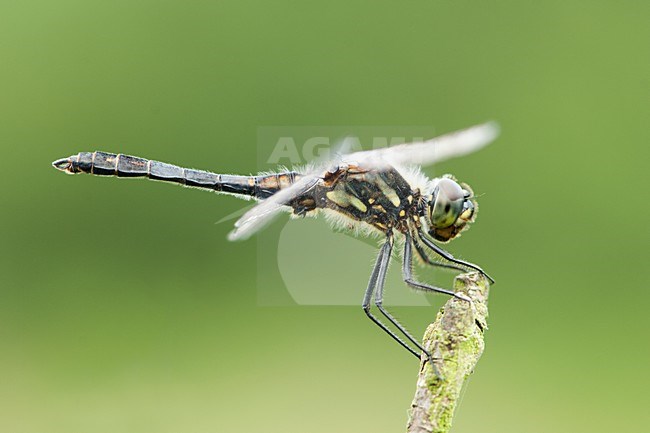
426, 259
445, 255
378, 276
407, 272
379, 300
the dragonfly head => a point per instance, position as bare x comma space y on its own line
450, 208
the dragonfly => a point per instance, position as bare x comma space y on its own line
374, 192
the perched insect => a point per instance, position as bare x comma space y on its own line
380, 190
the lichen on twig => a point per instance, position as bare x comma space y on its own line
455, 340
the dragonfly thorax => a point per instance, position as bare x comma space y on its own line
450, 207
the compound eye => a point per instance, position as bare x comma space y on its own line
468, 211
448, 199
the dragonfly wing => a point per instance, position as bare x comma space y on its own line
432, 151
420, 153
260, 215
263, 213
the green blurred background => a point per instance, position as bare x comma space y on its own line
124, 309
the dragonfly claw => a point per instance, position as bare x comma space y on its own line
490, 279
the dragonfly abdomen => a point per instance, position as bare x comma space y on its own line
120, 165
268, 184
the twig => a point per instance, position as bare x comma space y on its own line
455, 340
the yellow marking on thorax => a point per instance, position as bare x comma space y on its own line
344, 199
388, 192
358, 204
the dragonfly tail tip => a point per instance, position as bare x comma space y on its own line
62, 164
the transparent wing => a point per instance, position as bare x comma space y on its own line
420, 153
263, 213
432, 151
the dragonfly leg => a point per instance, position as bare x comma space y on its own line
445, 255
426, 259
377, 278
379, 303
407, 273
